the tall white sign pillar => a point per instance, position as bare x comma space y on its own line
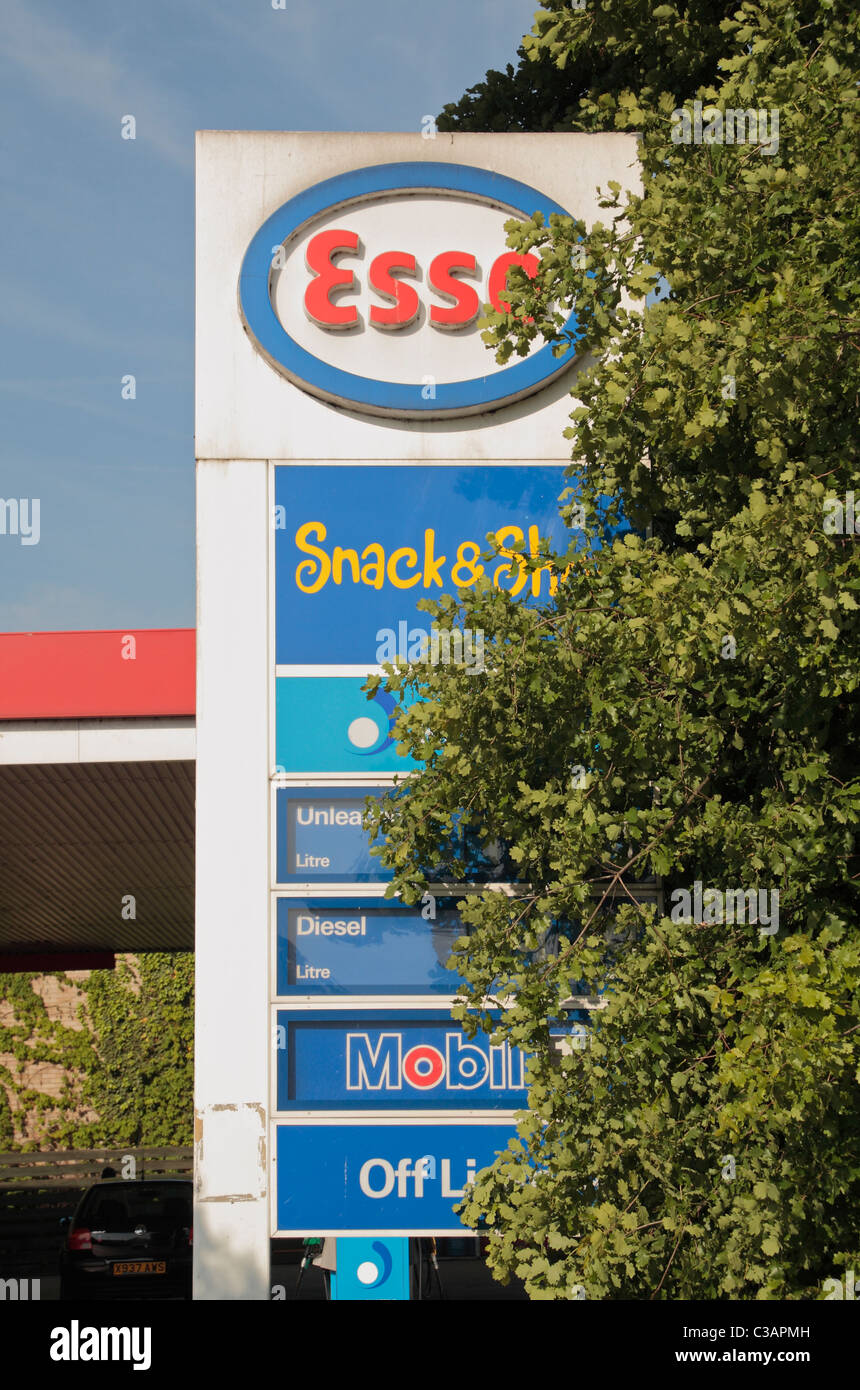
231, 1222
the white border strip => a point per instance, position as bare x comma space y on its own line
330, 670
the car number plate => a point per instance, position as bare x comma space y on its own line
141, 1267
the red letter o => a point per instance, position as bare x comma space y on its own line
499, 276
423, 1067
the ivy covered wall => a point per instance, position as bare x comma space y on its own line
99, 1058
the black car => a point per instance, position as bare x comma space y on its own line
129, 1239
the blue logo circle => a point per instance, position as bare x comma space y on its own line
385, 1263
312, 373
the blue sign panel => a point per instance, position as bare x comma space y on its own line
376, 1270
362, 946
357, 547
327, 724
320, 836
372, 1178
410, 1060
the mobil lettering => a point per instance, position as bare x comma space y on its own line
402, 1059
387, 1062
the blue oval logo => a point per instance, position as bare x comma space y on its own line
289, 350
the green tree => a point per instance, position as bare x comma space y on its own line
570, 71
686, 704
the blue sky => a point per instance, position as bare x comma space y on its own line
97, 251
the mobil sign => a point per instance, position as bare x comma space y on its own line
365, 290
397, 1060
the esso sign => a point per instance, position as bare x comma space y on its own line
457, 302
366, 290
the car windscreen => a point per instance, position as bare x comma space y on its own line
155, 1206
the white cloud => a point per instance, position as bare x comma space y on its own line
74, 73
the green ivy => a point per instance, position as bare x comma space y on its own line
131, 1061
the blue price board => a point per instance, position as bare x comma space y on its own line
362, 946
320, 836
398, 1060
375, 1179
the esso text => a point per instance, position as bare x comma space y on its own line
453, 278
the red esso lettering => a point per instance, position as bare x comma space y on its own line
318, 259
467, 305
499, 277
404, 302
402, 305
423, 1067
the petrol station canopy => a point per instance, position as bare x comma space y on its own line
97, 776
